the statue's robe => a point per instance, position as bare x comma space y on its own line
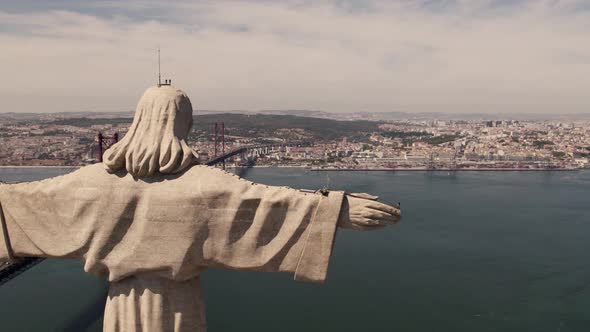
151, 238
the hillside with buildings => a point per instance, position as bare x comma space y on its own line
69, 140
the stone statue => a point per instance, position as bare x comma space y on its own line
154, 220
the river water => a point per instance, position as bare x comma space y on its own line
475, 251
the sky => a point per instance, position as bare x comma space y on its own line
456, 56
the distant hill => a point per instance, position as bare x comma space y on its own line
394, 116
368, 116
12, 116
284, 126
256, 125
87, 122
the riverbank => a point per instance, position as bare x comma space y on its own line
419, 169
424, 169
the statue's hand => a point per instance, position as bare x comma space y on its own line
363, 212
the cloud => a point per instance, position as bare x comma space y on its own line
453, 56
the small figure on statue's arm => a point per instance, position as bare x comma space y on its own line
151, 220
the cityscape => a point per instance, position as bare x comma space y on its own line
316, 142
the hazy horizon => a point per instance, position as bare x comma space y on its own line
132, 111
448, 56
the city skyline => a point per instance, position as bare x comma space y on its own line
320, 143
478, 56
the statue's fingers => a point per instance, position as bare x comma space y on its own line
367, 221
376, 214
368, 228
376, 225
364, 196
384, 216
384, 207
385, 222
379, 223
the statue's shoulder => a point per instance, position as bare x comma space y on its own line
204, 172
91, 175
92, 172
93, 168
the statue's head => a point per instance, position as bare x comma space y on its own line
156, 140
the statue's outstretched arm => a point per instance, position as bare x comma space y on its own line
6, 253
174, 226
270, 228
37, 219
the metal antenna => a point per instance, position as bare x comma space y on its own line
159, 76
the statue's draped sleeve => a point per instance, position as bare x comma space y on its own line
38, 219
5, 247
271, 229
171, 226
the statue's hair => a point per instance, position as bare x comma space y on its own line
155, 141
